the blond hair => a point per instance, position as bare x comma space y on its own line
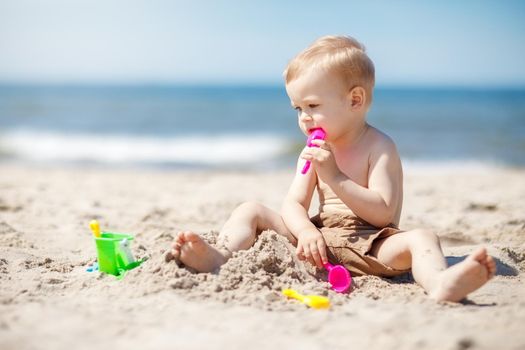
342, 55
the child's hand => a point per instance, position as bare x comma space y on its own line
323, 160
311, 247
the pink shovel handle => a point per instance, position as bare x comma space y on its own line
328, 266
306, 167
316, 134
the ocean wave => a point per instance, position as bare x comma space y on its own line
190, 149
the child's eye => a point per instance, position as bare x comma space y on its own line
298, 109
313, 105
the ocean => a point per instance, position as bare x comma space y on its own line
244, 127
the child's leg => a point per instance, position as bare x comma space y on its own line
238, 233
421, 250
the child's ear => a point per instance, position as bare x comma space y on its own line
357, 97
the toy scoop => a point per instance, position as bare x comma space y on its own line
339, 277
314, 301
95, 228
316, 134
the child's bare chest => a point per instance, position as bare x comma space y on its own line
355, 165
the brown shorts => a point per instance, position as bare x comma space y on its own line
349, 240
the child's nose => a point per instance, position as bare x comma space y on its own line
304, 117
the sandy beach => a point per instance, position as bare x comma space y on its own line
49, 301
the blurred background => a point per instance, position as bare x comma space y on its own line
178, 84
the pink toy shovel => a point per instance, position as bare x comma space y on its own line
316, 134
339, 277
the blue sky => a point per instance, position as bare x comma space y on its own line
472, 43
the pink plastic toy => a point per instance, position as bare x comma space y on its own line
316, 134
339, 277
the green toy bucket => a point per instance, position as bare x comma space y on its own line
111, 259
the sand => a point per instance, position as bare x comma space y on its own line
49, 301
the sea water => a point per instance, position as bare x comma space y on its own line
244, 126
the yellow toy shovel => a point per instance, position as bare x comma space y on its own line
314, 301
95, 228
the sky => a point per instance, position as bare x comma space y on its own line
429, 43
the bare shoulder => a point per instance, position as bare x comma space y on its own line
381, 145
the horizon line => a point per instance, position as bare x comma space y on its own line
248, 84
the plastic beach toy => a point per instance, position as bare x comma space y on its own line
316, 134
314, 301
95, 228
113, 252
339, 277
93, 267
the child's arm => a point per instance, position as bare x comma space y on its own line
378, 203
311, 245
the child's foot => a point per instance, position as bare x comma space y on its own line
196, 253
459, 280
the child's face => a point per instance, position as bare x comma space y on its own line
322, 101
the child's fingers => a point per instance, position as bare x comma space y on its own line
299, 252
306, 152
321, 144
307, 156
316, 154
315, 255
308, 255
322, 251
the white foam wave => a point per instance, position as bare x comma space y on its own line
192, 149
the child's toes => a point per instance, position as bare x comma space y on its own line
176, 246
190, 236
491, 265
168, 257
180, 238
480, 255
175, 252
